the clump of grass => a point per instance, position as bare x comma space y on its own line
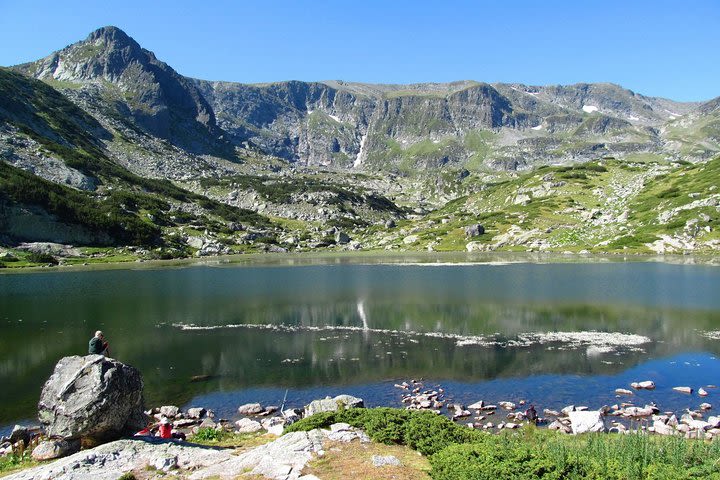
15, 461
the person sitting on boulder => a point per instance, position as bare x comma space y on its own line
98, 345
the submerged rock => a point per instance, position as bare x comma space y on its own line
250, 409
687, 390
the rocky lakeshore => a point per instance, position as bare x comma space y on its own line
72, 416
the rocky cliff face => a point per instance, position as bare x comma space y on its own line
350, 126
419, 127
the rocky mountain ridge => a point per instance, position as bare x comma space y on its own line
186, 165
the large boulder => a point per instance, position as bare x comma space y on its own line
474, 230
587, 421
92, 398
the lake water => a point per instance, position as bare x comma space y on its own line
549, 333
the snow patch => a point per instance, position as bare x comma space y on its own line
335, 117
358, 159
590, 108
539, 127
632, 117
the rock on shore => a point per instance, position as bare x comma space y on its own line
283, 458
93, 398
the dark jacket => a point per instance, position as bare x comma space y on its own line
96, 346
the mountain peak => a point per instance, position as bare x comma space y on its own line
110, 39
110, 33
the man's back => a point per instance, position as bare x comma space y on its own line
96, 346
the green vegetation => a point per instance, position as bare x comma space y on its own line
103, 217
127, 476
13, 462
282, 190
224, 438
459, 452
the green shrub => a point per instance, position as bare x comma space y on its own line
492, 461
429, 433
457, 452
36, 257
319, 420
386, 425
127, 476
208, 435
669, 193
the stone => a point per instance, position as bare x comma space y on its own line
342, 238
196, 412
705, 406
687, 390
94, 398
208, 423
623, 391
343, 432
169, 411
56, 448
291, 415
645, 384
246, 425
662, 428
699, 425
566, 411
410, 239
384, 461
645, 411
274, 425
185, 422
164, 463
477, 405
556, 425
474, 230
250, 409
587, 421
19, 433
333, 404
702, 392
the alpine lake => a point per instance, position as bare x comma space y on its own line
218, 333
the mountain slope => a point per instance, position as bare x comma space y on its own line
137, 85
114, 148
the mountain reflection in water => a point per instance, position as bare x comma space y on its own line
356, 328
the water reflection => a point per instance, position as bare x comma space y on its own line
348, 325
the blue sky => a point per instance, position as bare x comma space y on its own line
657, 48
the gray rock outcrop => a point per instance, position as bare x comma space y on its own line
474, 230
332, 404
92, 398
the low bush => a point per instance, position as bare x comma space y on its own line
429, 433
36, 257
208, 435
457, 452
